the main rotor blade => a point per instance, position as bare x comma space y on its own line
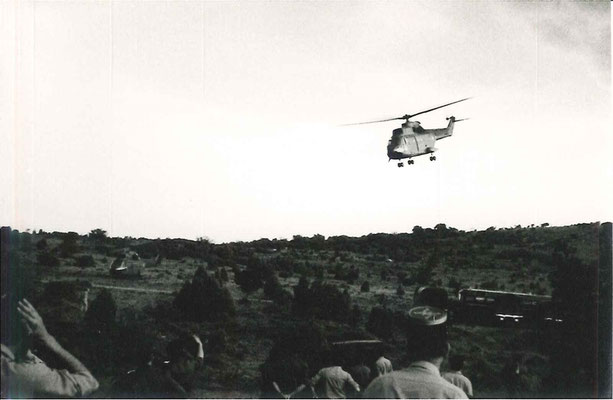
374, 122
436, 108
406, 116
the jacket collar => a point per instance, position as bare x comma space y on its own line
428, 366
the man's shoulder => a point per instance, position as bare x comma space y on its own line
452, 390
453, 376
408, 380
378, 387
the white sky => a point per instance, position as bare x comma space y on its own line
220, 119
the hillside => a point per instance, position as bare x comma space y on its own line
266, 280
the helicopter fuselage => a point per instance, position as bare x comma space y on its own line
411, 140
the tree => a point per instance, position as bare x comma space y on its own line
102, 311
69, 245
365, 287
575, 290
253, 277
204, 299
97, 235
321, 300
418, 231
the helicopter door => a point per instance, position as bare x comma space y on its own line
419, 145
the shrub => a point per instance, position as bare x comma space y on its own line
48, 259
224, 275
273, 288
204, 299
254, 276
381, 322
423, 274
97, 235
297, 351
322, 301
42, 244
356, 316
102, 311
69, 245
85, 261
455, 284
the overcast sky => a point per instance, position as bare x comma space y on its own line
221, 119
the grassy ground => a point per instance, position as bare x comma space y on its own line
236, 374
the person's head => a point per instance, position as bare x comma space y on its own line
427, 334
183, 354
456, 362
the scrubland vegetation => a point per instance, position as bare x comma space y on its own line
268, 308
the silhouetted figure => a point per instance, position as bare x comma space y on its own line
513, 375
288, 373
361, 374
329, 383
455, 376
26, 375
427, 347
165, 379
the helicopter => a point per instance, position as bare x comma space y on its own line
411, 140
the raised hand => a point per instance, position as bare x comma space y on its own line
33, 321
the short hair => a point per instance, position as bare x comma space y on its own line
456, 362
427, 342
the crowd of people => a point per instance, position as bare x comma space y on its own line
35, 364
427, 347
24, 374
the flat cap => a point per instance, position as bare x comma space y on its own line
427, 315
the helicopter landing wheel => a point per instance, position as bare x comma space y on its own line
400, 165
433, 158
411, 162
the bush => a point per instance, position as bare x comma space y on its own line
42, 244
365, 287
381, 322
204, 299
102, 311
322, 301
254, 276
85, 261
97, 235
356, 316
423, 274
297, 351
48, 260
272, 287
69, 245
